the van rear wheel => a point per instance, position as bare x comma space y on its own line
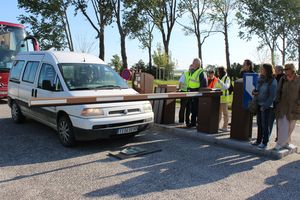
16, 113
65, 131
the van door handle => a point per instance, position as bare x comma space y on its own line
35, 93
32, 92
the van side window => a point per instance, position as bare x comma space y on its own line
30, 71
16, 70
49, 76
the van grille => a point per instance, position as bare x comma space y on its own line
118, 124
114, 112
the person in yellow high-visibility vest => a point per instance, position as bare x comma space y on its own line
223, 84
197, 80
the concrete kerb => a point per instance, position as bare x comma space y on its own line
223, 139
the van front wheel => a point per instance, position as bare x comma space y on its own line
65, 131
16, 113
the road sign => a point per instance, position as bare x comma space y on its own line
250, 83
126, 74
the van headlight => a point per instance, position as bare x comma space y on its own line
92, 112
147, 108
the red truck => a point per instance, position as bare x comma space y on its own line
12, 41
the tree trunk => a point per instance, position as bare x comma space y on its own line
101, 43
123, 50
166, 47
226, 43
68, 32
272, 56
150, 58
283, 50
199, 48
122, 34
298, 57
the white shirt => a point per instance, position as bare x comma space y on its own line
182, 78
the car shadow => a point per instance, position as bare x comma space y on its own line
32, 142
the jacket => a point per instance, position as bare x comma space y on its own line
224, 84
288, 99
266, 92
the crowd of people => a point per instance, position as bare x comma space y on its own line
277, 94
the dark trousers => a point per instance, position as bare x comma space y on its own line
194, 110
194, 106
184, 111
264, 125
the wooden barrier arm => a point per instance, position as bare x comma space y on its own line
38, 102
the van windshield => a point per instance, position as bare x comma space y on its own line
83, 76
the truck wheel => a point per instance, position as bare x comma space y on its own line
16, 113
65, 131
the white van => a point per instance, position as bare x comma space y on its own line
47, 74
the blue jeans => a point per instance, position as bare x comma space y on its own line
264, 125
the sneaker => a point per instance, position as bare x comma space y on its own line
190, 125
262, 146
277, 147
290, 146
255, 143
224, 129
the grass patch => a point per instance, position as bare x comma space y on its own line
163, 82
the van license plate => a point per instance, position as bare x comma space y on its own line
127, 130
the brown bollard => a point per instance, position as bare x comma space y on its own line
208, 114
168, 113
241, 119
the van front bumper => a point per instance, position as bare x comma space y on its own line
86, 135
98, 128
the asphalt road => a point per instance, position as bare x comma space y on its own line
33, 165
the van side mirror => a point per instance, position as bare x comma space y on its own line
46, 85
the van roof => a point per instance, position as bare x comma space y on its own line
67, 57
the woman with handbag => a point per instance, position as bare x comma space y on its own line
265, 94
288, 106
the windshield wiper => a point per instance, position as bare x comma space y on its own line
82, 88
108, 87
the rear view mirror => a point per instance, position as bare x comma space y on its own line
46, 85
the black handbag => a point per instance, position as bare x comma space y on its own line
253, 106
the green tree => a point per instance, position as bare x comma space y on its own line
140, 65
264, 19
221, 13
164, 65
116, 63
163, 13
99, 20
126, 18
293, 37
48, 22
197, 11
145, 37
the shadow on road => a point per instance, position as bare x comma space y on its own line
3, 101
285, 185
194, 165
183, 162
32, 142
